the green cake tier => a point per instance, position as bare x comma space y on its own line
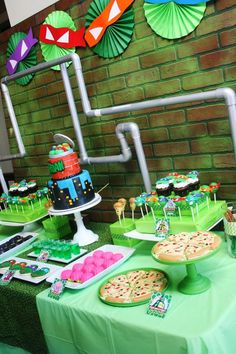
24, 214
203, 221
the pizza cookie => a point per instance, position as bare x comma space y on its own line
186, 246
133, 287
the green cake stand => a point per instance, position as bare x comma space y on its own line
193, 283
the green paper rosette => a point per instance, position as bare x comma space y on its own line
26, 63
57, 19
117, 36
171, 20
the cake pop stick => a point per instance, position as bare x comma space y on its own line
118, 209
179, 210
144, 196
132, 206
139, 203
152, 202
123, 201
214, 187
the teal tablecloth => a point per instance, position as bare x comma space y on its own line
79, 323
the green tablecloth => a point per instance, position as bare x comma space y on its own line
199, 324
19, 321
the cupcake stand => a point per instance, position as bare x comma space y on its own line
82, 236
27, 226
194, 283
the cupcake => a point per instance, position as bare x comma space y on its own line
193, 180
32, 186
180, 187
13, 189
23, 190
163, 187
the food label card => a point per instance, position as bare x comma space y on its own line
162, 228
7, 277
57, 288
43, 256
159, 304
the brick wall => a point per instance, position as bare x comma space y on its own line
181, 137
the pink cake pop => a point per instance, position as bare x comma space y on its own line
108, 255
65, 274
90, 268
117, 256
86, 276
76, 275
107, 263
88, 260
98, 254
98, 262
77, 266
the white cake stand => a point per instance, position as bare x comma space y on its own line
82, 236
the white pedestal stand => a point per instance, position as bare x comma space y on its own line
82, 236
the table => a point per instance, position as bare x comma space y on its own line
197, 324
20, 327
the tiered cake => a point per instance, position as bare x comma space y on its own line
70, 186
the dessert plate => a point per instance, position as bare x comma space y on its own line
125, 251
27, 277
19, 247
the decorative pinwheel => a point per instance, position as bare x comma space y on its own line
110, 27
21, 55
171, 20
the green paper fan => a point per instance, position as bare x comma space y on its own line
117, 36
28, 62
171, 20
57, 19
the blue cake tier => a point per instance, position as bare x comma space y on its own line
71, 192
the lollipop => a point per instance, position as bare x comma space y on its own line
123, 201
118, 209
179, 201
132, 206
191, 200
139, 203
39, 195
206, 190
145, 195
214, 187
15, 201
152, 203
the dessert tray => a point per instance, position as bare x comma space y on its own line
49, 270
126, 252
133, 287
25, 237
